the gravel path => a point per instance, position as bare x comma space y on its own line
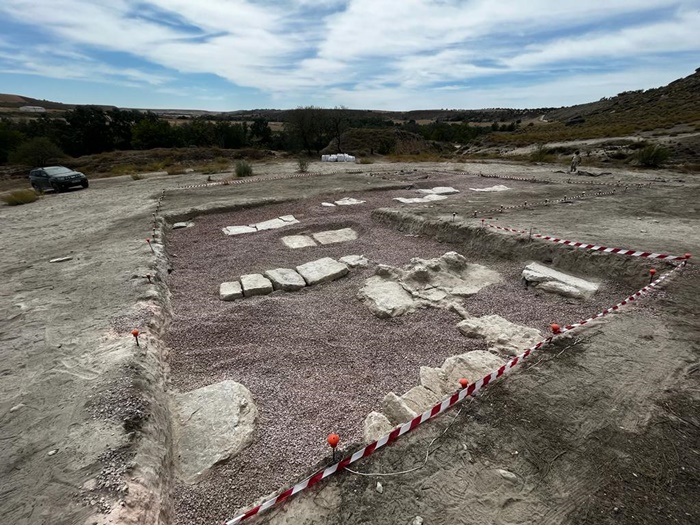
316, 361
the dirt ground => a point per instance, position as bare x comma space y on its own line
606, 431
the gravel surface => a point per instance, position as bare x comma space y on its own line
316, 361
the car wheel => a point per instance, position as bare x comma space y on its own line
56, 187
85, 184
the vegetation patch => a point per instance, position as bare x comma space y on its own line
17, 197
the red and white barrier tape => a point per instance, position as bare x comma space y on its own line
439, 408
245, 181
595, 247
568, 181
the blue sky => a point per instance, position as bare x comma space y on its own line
374, 54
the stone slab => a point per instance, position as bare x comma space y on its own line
238, 230
255, 284
272, 224
498, 187
353, 261
417, 200
501, 335
298, 241
328, 205
439, 190
471, 365
376, 425
334, 236
285, 279
419, 399
385, 298
322, 271
230, 291
536, 273
213, 424
436, 380
396, 410
288, 218
348, 201
180, 225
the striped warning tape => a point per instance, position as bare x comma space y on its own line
568, 181
595, 247
245, 181
437, 409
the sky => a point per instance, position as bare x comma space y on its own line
225, 55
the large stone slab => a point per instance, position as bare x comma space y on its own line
471, 365
298, 241
322, 270
501, 335
436, 380
230, 291
385, 298
212, 424
558, 282
348, 201
417, 200
396, 409
353, 261
498, 187
239, 230
376, 425
285, 279
333, 236
440, 190
272, 224
255, 284
419, 399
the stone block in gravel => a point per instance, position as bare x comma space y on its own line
255, 284
180, 225
436, 380
567, 285
440, 190
272, 224
238, 230
472, 366
501, 335
328, 205
353, 261
417, 200
298, 241
322, 271
386, 298
230, 291
419, 399
289, 218
348, 201
333, 236
213, 424
396, 410
285, 279
376, 425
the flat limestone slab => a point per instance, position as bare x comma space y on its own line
440, 190
230, 291
238, 230
501, 335
285, 279
272, 224
333, 236
213, 423
396, 410
348, 201
353, 261
417, 200
471, 365
419, 399
385, 298
498, 187
255, 284
376, 425
328, 205
298, 241
322, 270
566, 284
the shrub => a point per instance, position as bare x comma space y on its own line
653, 156
541, 154
39, 151
243, 169
303, 165
17, 197
365, 160
136, 176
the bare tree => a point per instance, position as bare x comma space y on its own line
338, 122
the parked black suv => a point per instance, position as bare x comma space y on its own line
57, 178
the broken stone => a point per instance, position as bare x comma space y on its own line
53, 452
386, 298
353, 261
471, 365
396, 409
498, 187
501, 335
376, 425
328, 204
213, 424
255, 284
416, 521
322, 271
180, 225
417, 200
568, 285
380, 488
436, 380
440, 190
508, 476
238, 230
17, 407
230, 291
348, 201
333, 236
419, 399
298, 241
288, 218
272, 224
61, 259
285, 279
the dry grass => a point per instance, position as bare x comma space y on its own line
18, 197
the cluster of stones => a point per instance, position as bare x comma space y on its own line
324, 237
288, 279
272, 224
429, 195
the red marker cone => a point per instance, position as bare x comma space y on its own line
464, 382
555, 328
652, 273
135, 333
333, 440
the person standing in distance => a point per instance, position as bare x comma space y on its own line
575, 161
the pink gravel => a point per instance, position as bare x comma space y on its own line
316, 361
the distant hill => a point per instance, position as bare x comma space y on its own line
17, 101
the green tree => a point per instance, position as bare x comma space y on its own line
39, 151
10, 138
88, 131
153, 133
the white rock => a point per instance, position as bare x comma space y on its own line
471, 365
498, 187
537, 273
298, 241
333, 236
375, 426
272, 224
285, 279
230, 291
238, 230
255, 284
419, 399
213, 424
416, 521
322, 270
328, 204
380, 488
385, 298
436, 380
396, 409
507, 475
501, 335
53, 452
445, 190
180, 225
348, 201
288, 218
418, 200
353, 261
61, 259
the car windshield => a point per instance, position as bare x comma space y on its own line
57, 170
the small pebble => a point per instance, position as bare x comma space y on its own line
52, 452
380, 488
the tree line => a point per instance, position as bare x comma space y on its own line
88, 130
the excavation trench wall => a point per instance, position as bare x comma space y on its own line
487, 244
